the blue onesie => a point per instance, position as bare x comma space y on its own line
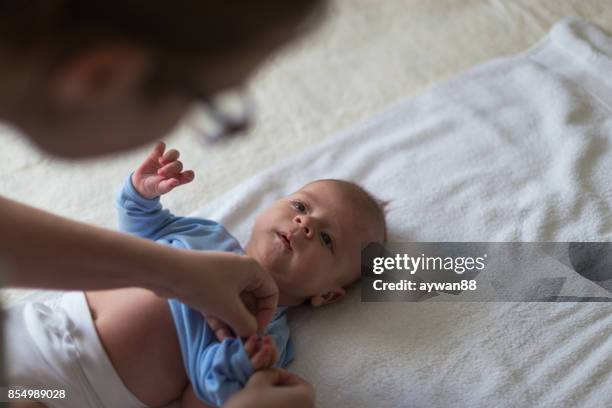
216, 369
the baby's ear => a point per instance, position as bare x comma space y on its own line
327, 298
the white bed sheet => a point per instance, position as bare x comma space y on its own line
517, 149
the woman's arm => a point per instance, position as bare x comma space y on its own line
43, 250
48, 251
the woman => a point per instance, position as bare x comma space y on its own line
89, 78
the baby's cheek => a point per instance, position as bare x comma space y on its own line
314, 280
294, 279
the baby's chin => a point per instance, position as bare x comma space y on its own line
278, 269
279, 280
286, 291
268, 256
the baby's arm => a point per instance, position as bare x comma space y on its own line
140, 211
278, 330
218, 370
263, 354
224, 368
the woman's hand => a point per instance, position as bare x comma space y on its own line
160, 173
274, 388
221, 329
232, 288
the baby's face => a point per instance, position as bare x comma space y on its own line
311, 242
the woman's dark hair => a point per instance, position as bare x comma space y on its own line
180, 35
198, 28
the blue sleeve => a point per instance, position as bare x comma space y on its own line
216, 369
223, 369
142, 216
220, 371
147, 219
279, 330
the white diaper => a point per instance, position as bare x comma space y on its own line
54, 345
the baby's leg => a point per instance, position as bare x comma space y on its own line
190, 400
138, 333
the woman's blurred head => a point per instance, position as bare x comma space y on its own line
90, 77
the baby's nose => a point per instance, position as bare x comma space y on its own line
304, 223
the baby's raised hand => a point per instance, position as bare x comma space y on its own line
262, 351
160, 173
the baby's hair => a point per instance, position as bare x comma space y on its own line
371, 203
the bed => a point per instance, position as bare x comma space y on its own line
374, 64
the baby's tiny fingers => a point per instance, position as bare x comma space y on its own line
169, 156
222, 334
187, 176
260, 359
171, 169
157, 152
250, 344
273, 355
166, 186
268, 343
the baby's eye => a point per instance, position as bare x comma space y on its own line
299, 206
327, 241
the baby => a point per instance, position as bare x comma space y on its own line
131, 348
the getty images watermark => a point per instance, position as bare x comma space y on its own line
487, 272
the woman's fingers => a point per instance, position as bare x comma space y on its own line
220, 329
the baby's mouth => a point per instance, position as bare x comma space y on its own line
284, 238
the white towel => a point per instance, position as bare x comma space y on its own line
517, 149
